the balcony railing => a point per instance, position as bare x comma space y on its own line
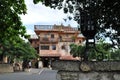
55, 40
48, 40
43, 27
54, 27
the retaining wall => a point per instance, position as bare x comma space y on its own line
6, 68
97, 70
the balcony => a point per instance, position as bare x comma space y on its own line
48, 40
66, 40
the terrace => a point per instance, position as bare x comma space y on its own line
55, 28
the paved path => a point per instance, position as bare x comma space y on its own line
34, 74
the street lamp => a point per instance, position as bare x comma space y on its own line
117, 38
88, 29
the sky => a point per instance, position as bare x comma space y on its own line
38, 14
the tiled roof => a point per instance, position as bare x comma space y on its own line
50, 55
68, 58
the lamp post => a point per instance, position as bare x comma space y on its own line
88, 29
117, 38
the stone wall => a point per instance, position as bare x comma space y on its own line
6, 68
76, 70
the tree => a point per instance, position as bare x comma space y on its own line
105, 14
104, 51
19, 50
115, 54
76, 50
11, 28
10, 22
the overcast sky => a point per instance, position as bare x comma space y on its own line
38, 14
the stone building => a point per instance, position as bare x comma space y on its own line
52, 42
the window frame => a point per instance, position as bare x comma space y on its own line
44, 47
53, 47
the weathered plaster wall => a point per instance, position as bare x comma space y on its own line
76, 70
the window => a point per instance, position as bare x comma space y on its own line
44, 47
80, 41
63, 47
45, 35
53, 47
66, 35
52, 35
60, 37
45, 39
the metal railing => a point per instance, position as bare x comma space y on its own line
49, 40
46, 39
66, 40
43, 27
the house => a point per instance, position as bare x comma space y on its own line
52, 42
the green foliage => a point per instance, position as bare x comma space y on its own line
11, 29
93, 54
18, 50
37, 1
76, 50
10, 22
103, 51
115, 55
